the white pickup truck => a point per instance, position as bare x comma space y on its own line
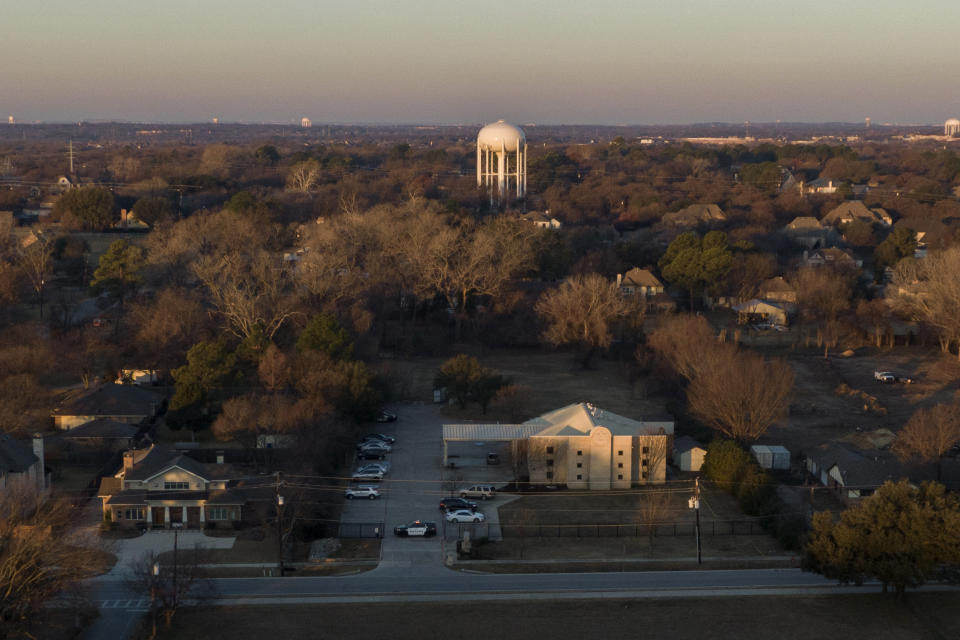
886, 377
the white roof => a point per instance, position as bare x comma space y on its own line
501, 136
952, 122
487, 432
581, 418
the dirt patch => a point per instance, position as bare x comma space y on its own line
869, 616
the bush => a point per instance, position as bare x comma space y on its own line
725, 464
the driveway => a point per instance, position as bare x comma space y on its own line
130, 550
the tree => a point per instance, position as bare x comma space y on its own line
741, 395
267, 154
36, 260
43, 556
91, 206
168, 325
725, 464
210, 365
304, 176
324, 333
171, 586
153, 210
900, 244
900, 536
696, 264
465, 379
823, 294
118, 271
930, 292
686, 343
929, 435
582, 311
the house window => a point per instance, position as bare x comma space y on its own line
644, 475
549, 463
619, 476
579, 465
643, 462
619, 465
646, 450
579, 477
549, 449
549, 475
218, 513
620, 453
132, 514
579, 452
176, 485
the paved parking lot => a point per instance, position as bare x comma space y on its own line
414, 486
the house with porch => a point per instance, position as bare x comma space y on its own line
157, 488
639, 282
118, 402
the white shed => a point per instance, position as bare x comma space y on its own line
771, 456
688, 454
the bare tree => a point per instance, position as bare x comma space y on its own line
929, 435
304, 176
686, 344
170, 586
930, 292
653, 506
582, 311
823, 294
742, 395
36, 260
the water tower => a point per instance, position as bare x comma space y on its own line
502, 155
951, 127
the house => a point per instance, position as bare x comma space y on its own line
102, 434
853, 210
837, 258
821, 186
694, 215
119, 402
639, 282
777, 290
21, 464
807, 232
159, 487
852, 473
541, 219
771, 456
688, 454
130, 222
776, 313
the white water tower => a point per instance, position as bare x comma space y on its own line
502, 155
951, 127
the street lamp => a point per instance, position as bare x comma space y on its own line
694, 503
176, 530
280, 533
153, 598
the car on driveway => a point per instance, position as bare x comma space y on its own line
449, 504
386, 416
366, 473
368, 491
482, 491
416, 528
465, 515
379, 437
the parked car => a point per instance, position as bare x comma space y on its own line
416, 528
372, 454
368, 491
386, 416
457, 503
374, 444
465, 515
367, 474
379, 437
382, 465
493, 458
886, 377
482, 491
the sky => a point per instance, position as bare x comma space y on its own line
450, 61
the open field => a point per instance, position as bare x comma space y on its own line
869, 616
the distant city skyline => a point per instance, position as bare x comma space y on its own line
427, 61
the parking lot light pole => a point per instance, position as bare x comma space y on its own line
694, 503
280, 533
153, 598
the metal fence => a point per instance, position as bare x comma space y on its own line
360, 530
709, 528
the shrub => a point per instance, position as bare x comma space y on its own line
725, 464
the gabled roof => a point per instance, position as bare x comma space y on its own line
805, 223
763, 306
686, 443
776, 285
15, 456
158, 460
640, 278
857, 467
856, 210
582, 418
694, 214
103, 428
111, 400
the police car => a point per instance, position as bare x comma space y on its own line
416, 528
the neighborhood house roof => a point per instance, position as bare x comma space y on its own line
103, 428
582, 418
694, 214
159, 460
640, 278
686, 443
857, 468
15, 456
805, 223
111, 400
856, 210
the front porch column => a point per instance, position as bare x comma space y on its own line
166, 517
183, 519
203, 514
149, 515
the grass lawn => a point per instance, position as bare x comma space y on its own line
869, 616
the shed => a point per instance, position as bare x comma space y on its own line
688, 454
771, 456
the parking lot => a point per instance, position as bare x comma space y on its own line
414, 486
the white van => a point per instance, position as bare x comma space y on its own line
482, 491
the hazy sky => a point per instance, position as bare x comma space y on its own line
559, 61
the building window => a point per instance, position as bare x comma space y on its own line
619, 465
579, 465
549, 475
218, 513
132, 514
646, 450
620, 453
549, 449
644, 475
619, 476
643, 462
579, 477
549, 463
176, 485
579, 452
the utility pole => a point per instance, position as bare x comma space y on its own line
694, 503
279, 524
70, 155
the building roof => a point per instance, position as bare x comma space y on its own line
582, 418
857, 467
103, 428
111, 400
640, 278
686, 443
15, 456
141, 497
764, 306
776, 285
804, 223
695, 214
159, 459
856, 210
487, 432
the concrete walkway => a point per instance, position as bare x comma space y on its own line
130, 550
